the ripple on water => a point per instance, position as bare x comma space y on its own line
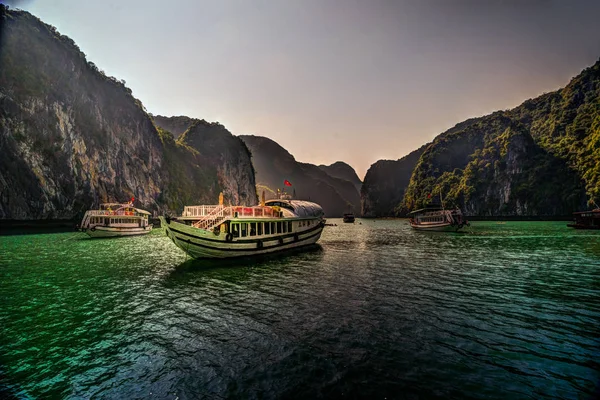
376, 310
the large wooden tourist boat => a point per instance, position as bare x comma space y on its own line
114, 220
586, 220
438, 219
217, 231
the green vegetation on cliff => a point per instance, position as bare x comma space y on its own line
72, 137
541, 158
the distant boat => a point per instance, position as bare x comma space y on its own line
586, 220
114, 220
216, 231
349, 217
437, 219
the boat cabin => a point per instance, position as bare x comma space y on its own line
586, 219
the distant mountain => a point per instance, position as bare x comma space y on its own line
385, 185
541, 158
274, 164
342, 170
72, 137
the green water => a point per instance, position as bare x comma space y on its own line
377, 310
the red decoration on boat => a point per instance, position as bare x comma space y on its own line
287, 183
429, 196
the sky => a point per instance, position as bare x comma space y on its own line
330, 80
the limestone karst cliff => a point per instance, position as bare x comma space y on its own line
340, 169
274, 164
71, 137
385, 185
541, 158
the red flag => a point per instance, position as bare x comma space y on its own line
287, 183
132, 199
429, 196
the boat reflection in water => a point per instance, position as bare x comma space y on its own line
438, 219
216, 231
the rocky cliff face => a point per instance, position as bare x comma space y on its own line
217, 161
385, 184
175, 125
71, 137
274, 164
541, 158
344, 171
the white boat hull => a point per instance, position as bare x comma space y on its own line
199, 243
111, 231
445, 227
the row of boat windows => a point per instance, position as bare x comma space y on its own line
245, 229
102, 220
433, 219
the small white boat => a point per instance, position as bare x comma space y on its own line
114, 220
216, 231
438, 219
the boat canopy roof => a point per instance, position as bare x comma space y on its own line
596, 211
116, 206
422, 210
299, 207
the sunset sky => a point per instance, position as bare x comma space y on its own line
333, 80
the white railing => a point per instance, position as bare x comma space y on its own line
109, 212
199, 211
220, 214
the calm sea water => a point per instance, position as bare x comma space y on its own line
377, 310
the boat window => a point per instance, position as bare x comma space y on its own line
289, 226
284, 227
252, 228
267, 228
260, 228
244, 229
273, 230
235, 230
279, 227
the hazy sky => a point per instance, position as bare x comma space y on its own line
333, 80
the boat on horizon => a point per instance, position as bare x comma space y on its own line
218, 231
348, 217
115, 220
586, 219
438, 219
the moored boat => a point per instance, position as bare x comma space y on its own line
114, 220
217, 231
586, 220
349, 217
438, 219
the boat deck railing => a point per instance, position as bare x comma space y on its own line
116, 212
194, 212
210, 216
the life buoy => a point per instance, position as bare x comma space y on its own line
295, 237
229, 237
216, 231
280, 240
93, 229
259, 244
